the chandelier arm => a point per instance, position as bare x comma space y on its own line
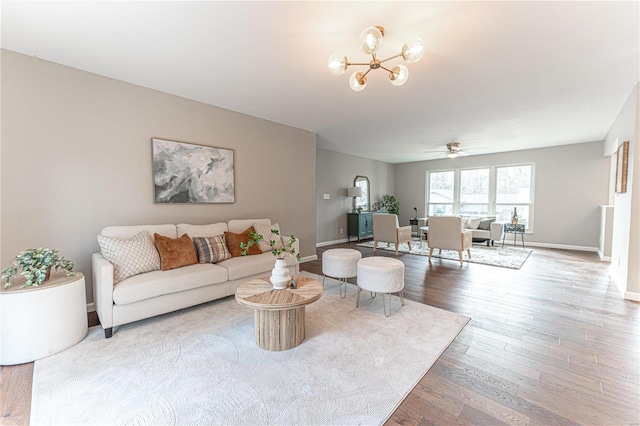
392, 57
365, 74
357, 63
386, 69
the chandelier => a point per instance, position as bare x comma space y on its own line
370, 41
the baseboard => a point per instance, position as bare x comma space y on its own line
91, 307
632, 295
561, 246
328, 243
603, 257
309, 258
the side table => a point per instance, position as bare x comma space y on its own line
279, 314
515, 229
36, 322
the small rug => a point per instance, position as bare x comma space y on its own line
506, 257
201, 366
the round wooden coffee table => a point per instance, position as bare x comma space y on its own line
279, 314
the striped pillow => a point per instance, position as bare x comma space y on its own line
211, 249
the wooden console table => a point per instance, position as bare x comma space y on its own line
279, 314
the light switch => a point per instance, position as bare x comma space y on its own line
326, 196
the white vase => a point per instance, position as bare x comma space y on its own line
280, 275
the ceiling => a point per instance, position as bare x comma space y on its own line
496, 76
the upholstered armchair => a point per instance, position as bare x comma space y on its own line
447, 232
387, 230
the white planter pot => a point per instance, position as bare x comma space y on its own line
280, 277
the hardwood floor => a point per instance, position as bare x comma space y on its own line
551, 343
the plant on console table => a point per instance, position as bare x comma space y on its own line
35, 265
390, 204
280, 277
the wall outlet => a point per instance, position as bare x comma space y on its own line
342, 230
326, 196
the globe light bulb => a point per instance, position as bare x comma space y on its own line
398, 75
370, 40
357, 81
413, 51
337, 63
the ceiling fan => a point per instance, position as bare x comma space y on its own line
453, 150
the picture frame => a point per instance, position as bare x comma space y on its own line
191, 173
622, 164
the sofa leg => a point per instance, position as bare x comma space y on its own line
108, 332
488, 243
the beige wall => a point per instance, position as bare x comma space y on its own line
570, 185
625, 249
335, 173
76, 156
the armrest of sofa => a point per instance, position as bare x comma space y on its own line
102, 272
497, 231
466, 238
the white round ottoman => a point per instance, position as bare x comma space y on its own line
381, 275
340, 264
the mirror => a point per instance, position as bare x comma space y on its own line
363, 201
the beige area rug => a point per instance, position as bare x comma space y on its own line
506, 257
201, 366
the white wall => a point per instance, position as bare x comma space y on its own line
625, 250
571, 184
76, 157
335, 173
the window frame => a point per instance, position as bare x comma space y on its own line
493, 182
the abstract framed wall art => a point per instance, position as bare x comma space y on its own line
190, 173
622, 163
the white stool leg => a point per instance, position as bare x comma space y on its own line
358, 298
341, 281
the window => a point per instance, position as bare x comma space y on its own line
474, 192
490, 191
514, 194
441, 193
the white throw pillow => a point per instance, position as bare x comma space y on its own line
473, 222
267, 236
130, 257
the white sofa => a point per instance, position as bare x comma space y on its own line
158, 292
494, 233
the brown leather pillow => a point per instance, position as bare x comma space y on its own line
175, 252
234, 240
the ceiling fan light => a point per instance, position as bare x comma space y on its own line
398, 75
370, 40
453, 154
413, 51
337, 63
357, 81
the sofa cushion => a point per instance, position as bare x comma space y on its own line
130, 256
129, 231
268, 236
240, 267
202, 230
485, 224
175, 252
234, 240
158, 283
238, 226
473, 222
211, 249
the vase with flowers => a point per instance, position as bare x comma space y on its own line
280, 277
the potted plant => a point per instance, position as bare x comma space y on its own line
35, 265
280, 277
390, 204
